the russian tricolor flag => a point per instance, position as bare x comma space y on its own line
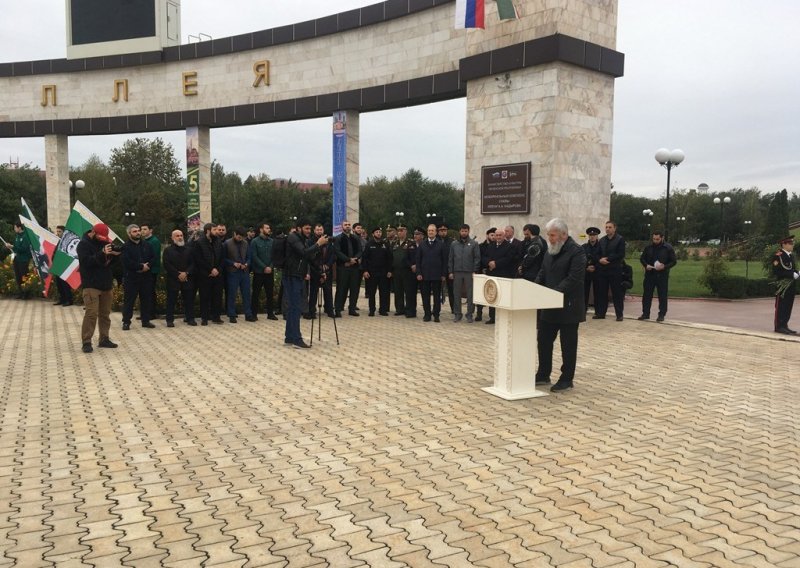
469, 14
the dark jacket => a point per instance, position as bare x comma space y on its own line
206, 255
323, 262
400, 255
503, 256
592, 252
432, 259
341, 244
176, 259
233, 252
261, 253
22, 247
134, 257
614, 250
783, 265
532, 259
663, 253
94, 265
564, 273
155, 244
377, 257
299, 252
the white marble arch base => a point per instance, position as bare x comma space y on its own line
515, 356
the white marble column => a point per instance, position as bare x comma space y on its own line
204, 151
558, 117
56, 158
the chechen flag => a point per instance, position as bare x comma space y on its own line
65, 260
469, 14
43, 246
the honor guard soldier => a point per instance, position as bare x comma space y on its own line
592, 251
784, 268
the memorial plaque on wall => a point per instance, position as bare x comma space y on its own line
506, 188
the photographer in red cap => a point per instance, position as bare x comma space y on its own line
95, 254
784, 268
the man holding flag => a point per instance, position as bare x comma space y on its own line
95, 254
22, 257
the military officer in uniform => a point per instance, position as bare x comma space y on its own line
784, 268
592, 251
400, 269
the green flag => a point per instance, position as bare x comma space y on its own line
65, 260
506, 10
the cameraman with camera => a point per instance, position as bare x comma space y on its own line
301, 248
95, 253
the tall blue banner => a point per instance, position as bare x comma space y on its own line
339, 170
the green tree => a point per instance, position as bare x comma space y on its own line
777, 217
149, 182
27, 182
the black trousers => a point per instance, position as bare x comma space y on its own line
654, 280
153, 298
609, 281
432, 288
186, 291
399, 285
412, 287
210, 297
378, 282
545, 338
327, 296
588, 283
64, 290
449, 290
783, 308
348, 282
139, 286
20, 270
267, 282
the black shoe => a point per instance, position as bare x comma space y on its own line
126, 326
384, 313
426, 318
598, 317
542, 381
250, 318
436, 319
107, 343
272, 317
490, 321
411, 316
619, 318
232, 319
793, 332
561, 386
309, 316
66, 304
87, 348
399, 314
354, 314
170, 324
330, 314
192, 323
660, 318
784, 330
478, 318
337, 314
203, 322
358, 309
148, 325
217, 321
301, 345
58, 304
644, 317
372, 314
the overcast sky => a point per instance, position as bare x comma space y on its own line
717, 79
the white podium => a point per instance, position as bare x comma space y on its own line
515, 301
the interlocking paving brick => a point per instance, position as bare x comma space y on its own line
385, 462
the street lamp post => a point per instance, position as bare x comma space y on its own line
668, 159
130, 217
722, 203
747, 225
648, 217
679, 225
72, 188
400, 215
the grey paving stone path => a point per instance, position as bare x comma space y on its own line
218, 446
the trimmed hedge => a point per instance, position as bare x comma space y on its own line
735, 287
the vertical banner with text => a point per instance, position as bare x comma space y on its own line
193, 222
339, 170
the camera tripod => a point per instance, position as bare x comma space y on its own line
319, 317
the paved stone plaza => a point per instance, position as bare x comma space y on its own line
218, 446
